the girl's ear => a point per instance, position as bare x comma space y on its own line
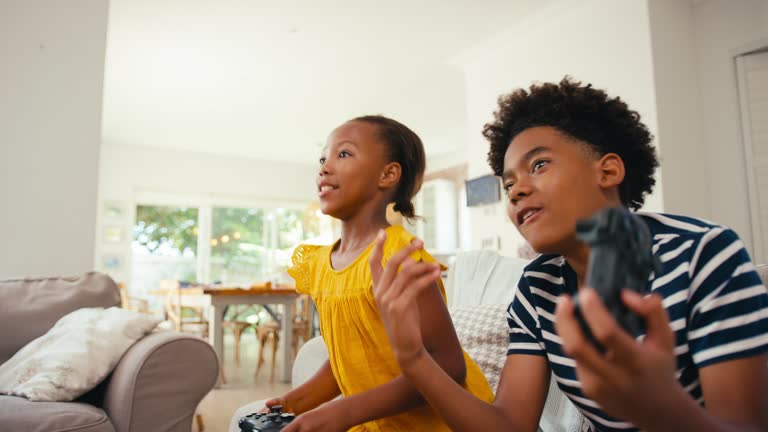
390, 175
611, 170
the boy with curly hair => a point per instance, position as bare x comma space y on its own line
564, 151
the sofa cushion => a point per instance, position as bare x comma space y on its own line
75, 355
20, 415
30, 307
483, 333
762, 270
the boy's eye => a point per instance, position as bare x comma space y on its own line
508, 186
322, 160
538, 165
343, 154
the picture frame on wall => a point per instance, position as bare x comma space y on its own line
113, 234
112, 262
115, 211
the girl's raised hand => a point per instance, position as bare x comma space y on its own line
396, 288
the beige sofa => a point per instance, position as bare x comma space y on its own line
156, 386
479, 317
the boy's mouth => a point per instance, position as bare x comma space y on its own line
525, 214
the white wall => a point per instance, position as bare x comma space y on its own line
603, 42
679, 135
132, 175
722, 30
51, 76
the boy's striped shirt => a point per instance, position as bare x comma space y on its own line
717, 306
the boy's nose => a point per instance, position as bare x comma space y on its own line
518, 191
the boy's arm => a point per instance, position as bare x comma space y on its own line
396, 288
514, 409
320, 388
736, 392
622, 378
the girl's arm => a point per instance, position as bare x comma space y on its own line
524, 380
320, 388
399, 395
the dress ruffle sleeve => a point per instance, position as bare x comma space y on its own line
303, 259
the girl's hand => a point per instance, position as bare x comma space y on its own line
280, 400
621, 379
397, 292
323, 419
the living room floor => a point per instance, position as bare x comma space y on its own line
242, 386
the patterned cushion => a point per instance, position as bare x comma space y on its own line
483, 334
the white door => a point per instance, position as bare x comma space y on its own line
753, 95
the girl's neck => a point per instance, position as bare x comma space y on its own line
360, 230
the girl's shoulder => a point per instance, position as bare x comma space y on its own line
303, 261
397, 238
306, 253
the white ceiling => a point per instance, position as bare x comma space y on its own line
271, 79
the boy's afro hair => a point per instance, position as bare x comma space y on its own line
587, 114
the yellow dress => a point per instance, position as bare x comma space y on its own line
358, 349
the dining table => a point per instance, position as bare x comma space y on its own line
266, 294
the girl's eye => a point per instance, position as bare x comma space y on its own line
322, 160
343, 154
508, 186
539, 165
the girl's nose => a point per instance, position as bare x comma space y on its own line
323, 169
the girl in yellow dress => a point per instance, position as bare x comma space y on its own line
368, 163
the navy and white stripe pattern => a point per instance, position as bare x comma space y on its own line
717, 306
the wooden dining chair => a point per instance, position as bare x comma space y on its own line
131, 303
269, 332
184, 311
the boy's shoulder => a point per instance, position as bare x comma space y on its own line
665, 224
545, 262
549, 267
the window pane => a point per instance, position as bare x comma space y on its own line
239, 246
164, 246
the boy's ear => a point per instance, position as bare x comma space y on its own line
390, 175
611, 170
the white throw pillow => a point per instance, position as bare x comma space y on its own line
75, 355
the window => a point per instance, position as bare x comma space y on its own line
228, 245
164, 246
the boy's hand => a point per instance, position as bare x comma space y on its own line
397, 292
322, 419
632, 380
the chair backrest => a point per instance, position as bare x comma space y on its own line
30, 307
177, 300
131, 303
483, 277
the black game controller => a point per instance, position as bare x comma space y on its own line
273, 421
621, 256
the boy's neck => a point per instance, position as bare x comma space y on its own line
578, 259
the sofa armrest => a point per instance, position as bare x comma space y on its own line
159, 382
310, 357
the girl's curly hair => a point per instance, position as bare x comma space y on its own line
589, 115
